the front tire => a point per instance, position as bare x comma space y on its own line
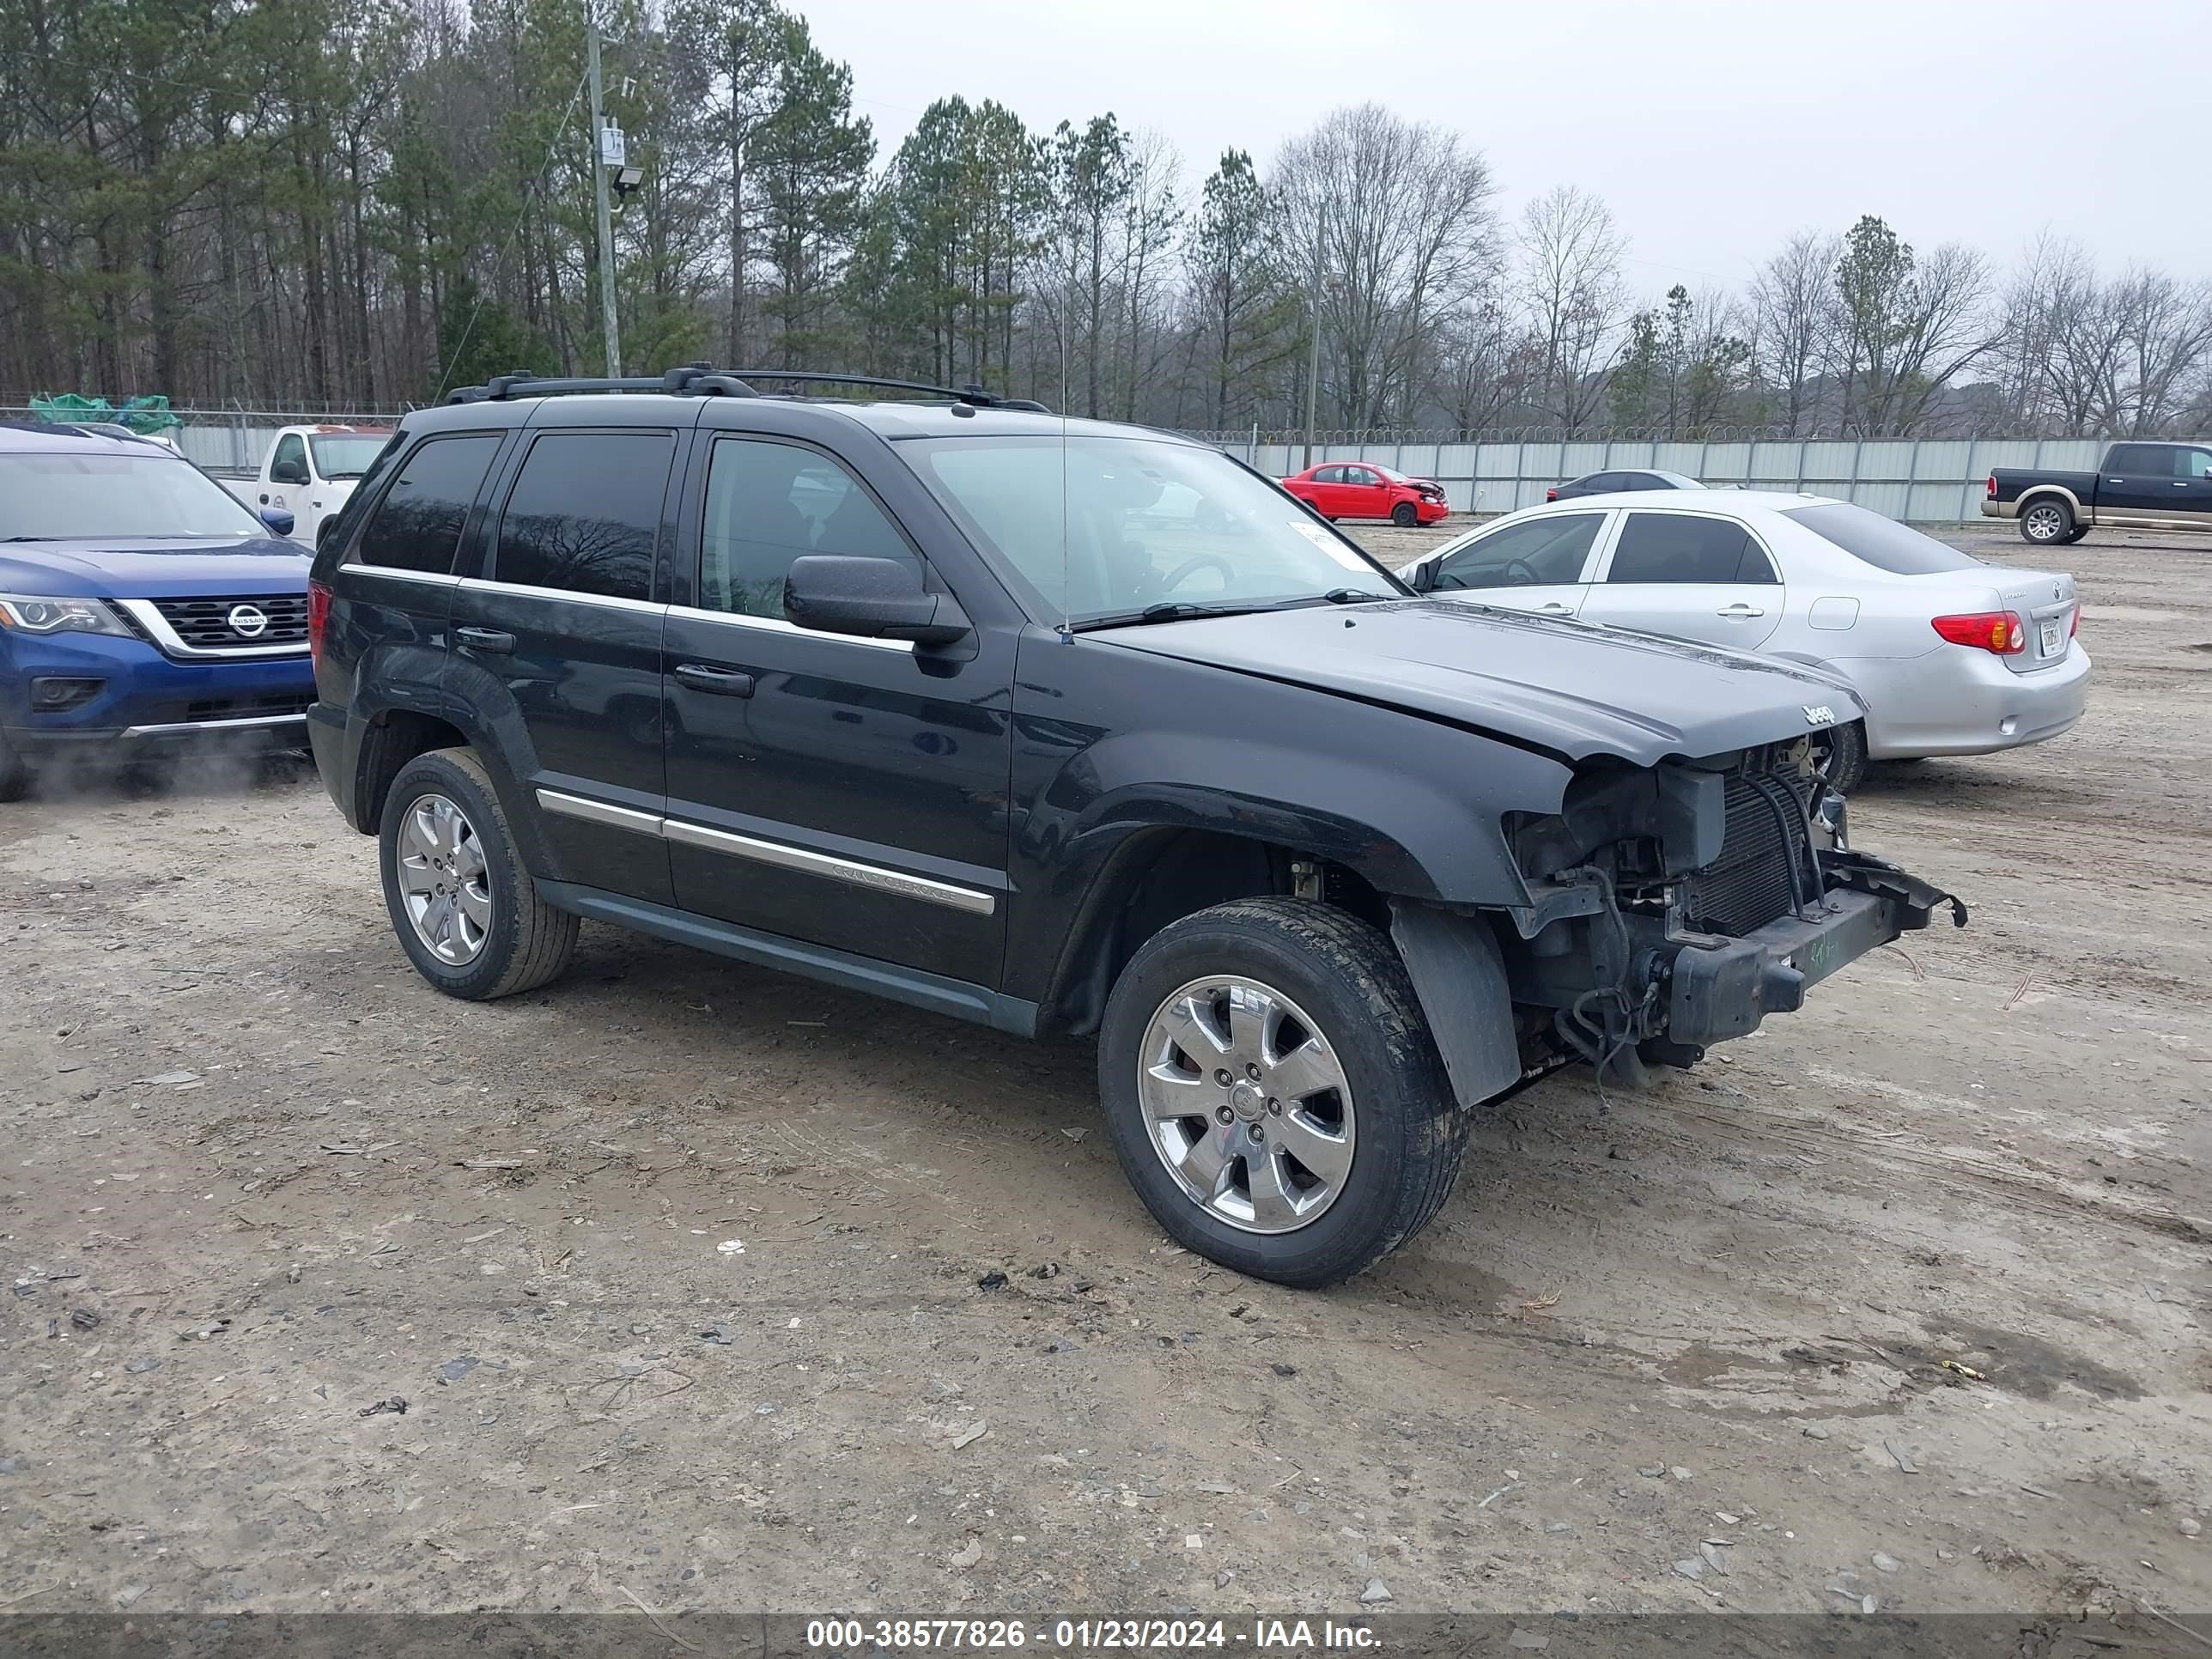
1320, 1133
1842, 758
2046, 522
1404, 516
465, 909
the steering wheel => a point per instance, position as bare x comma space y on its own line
1528, 570
1193, 565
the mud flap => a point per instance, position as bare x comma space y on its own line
1459, 977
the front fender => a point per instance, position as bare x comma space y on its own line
1113, 747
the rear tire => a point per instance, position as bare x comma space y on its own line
463, 907
2046, 521
1404, 516
2075, 534
1845, 764
1308, 1015
15, 776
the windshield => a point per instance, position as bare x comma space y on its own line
1147, 523
348, 455
1883, 542
65, 497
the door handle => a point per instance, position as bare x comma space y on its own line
485, 639
1552, 607
1740, 612
715, 682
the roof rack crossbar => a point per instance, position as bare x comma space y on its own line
974, 395
704, 380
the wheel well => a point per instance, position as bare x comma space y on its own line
2049, 493
388, 744
1159, 877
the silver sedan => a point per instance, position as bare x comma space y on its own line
1951, 656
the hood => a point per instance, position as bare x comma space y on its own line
1573, 689
152, 569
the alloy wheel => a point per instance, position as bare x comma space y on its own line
443, 881
1247, 1104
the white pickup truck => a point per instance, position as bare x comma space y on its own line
309, 471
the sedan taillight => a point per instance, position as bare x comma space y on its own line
1999, 632
318, 613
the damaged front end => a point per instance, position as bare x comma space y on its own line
1675, 906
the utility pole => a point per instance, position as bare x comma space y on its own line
1313, 322
602, 136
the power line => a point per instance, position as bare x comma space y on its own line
513, 237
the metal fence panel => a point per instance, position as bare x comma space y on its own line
1778, 465
1725, 463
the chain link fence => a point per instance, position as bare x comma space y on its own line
238, 437
1919, 480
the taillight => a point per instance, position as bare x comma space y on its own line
1992, 492
319, 612
2074, 626
2001, 632
1550, 495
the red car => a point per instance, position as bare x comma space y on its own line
1362, 490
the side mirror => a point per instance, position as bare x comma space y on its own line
875, 599
1422, 578
278, 519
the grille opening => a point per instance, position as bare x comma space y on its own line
204, 624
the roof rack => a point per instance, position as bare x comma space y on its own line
705, 380
972, 395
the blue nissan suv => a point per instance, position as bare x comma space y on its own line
143, 610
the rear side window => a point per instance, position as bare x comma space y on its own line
1883, 542
1677, 547
417, 524
2140, 461
585, 514
769, 503
1542, 553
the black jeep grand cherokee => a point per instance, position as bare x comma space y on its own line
1067, 728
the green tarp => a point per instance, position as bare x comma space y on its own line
149, 417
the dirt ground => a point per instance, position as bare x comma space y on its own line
676, 1265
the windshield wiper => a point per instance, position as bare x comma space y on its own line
28, 539
1354, 596
1167, 611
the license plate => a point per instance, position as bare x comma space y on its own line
2054, 636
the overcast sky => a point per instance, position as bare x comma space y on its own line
1713, 128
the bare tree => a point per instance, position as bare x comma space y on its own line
1397, 213
1570, 280
1150, 216
2164, 330
1789, 309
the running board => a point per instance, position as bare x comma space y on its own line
933, 992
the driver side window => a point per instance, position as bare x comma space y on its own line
769, 503
1545, 552
290, 463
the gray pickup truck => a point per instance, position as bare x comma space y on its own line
2141, 486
